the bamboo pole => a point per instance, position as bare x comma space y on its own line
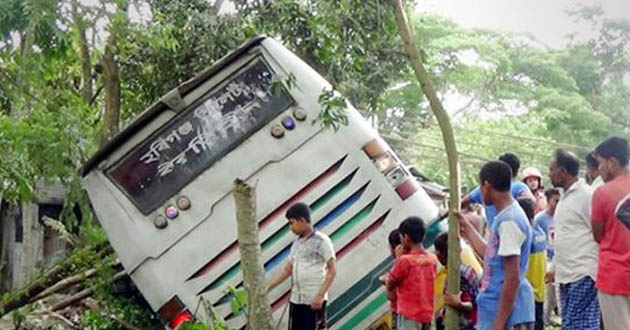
454, 250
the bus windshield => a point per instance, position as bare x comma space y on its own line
191, 142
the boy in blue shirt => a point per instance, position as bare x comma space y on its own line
544, 218
518, 189
506, 299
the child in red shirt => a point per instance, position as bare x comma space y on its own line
412, 277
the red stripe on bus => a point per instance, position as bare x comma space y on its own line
281, 301
306, 189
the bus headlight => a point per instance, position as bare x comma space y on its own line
404, 184
383, 159
385, 162
396, 176
374, 148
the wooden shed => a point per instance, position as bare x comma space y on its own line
27, 243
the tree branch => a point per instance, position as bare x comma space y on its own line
82, 294
98, 92
86, 67
483, 89
69, 282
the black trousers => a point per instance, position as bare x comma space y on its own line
302, 317
540, 317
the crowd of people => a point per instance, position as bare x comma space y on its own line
562, 250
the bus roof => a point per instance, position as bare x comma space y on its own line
159, 106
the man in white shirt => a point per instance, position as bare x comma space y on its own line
576, 252
311, 267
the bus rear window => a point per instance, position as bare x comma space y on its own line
198, 137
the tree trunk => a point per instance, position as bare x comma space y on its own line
259, 310
86, 66
452, 318
26, 45
112, 87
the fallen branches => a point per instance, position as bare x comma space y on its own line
82, 294
38, 286
68, 282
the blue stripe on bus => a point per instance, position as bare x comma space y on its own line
355, 220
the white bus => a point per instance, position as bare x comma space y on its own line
162, 188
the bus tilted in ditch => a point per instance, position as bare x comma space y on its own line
162, 189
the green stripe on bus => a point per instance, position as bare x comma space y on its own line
275, 237
353, 221
365, 312
330, 194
